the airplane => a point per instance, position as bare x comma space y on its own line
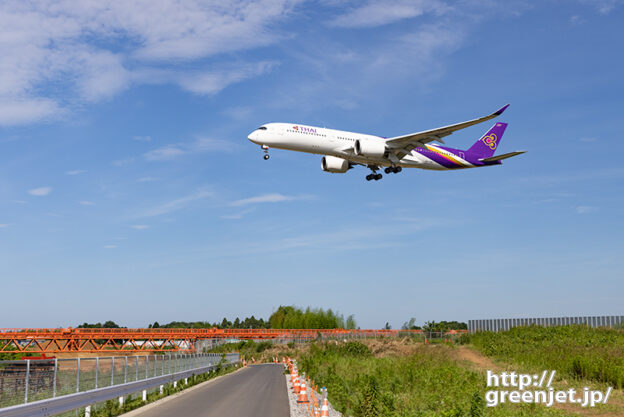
343, 150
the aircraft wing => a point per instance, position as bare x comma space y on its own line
402, 145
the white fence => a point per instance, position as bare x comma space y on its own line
40, 386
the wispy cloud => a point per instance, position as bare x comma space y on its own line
212, 82
142, 138
177, 204
123, 162
146, 179
3, 225
110, 246
268, 198
347, 238
585, 209
139, 226
41, 191
588, 139
237, 216
90, 68
603, 6
575, 176
200, 145
86, 203
381, 12
75, 172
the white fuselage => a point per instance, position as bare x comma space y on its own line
338, 143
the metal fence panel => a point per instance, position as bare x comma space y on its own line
506, 324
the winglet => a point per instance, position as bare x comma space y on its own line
501, 110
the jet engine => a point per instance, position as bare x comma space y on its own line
334, 164
370, 148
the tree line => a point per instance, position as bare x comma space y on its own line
290, 317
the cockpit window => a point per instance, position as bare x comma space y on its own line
262, 128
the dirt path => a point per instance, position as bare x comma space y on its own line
477, 361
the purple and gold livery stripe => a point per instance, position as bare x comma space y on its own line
455, 162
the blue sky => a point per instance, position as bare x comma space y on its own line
129, 191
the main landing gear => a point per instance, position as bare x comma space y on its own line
266, 152
394, 170
374, 175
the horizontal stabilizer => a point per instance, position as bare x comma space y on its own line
501, 157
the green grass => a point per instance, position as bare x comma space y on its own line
246, 348
576, 352
429, 382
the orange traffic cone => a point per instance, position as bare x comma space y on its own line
297, 385
325, 408
303, 393
317, 412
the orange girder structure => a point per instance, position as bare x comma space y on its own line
159, 339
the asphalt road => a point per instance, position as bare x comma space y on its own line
257, 391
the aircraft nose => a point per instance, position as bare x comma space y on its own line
252, 136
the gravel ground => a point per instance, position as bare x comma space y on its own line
297, 410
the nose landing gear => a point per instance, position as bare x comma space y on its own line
266, 152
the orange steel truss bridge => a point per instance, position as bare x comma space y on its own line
72, 340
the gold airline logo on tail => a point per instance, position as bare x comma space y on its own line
490, 141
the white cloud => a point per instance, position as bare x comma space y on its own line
199, 145
123, 162
142, 138
75, 172
86, 203
585, 209
345, 76
164, 153
22, 110
139, 226
267, 198
212, 82
57, 54
237, 216
239, 112
146, 179
3, 225
378, 13
603, 6
41, 191
177, 204
110, 246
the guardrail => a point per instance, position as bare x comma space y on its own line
60, 385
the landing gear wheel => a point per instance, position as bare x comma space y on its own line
266, 156
397, 170
369, 177
388, 170
377, 177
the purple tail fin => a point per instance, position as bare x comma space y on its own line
486, 146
